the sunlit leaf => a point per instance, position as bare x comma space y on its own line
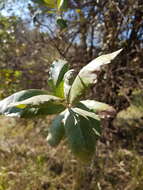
88, 76
57, 71
68, 80
51, 3
44, 104
59, 90
15, 104
16, 97
102, 109
85, 113
62, 4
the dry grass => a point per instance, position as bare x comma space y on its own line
28, 163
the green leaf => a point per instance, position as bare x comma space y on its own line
42, 104
16, 97
60, 3
56, 131
57, 71
96, 127
88, 76
102, 109
62, 23
51, 3
80, 135
68, 80
92, 117
86, 113
59, 90
30, 103
40, 2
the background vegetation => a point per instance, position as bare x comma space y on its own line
30, 40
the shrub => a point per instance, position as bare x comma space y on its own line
78, 120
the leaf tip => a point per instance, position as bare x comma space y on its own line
114, 54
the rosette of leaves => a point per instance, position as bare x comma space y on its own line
78, 120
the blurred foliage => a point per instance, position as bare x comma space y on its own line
21, 57
132, 117
26, 162
8, 76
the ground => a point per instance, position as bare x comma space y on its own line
27, 162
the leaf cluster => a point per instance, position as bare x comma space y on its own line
78, 120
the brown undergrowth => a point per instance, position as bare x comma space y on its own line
27, 162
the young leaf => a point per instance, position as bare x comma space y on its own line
80, 136
88, 76
68, 80
57, 71
102, 109
59, 90
56, 131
